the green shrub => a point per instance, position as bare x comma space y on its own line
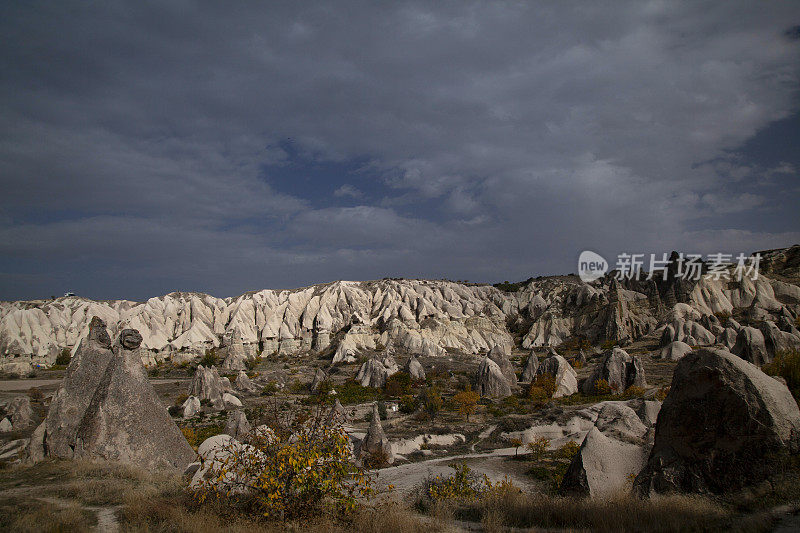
297, 387
397, 384
210, 358
408, 404
251, 364
196, 436
542, 389
181, 398
351, 392
568, 450
601, 388
607, 345
269, 389
787, 366
63, 357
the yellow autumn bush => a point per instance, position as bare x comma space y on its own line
290, 475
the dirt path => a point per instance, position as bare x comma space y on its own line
11, 385
493, 464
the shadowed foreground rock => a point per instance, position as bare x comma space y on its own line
725, 425
106, 408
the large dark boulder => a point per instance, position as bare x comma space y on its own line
724, 425
106, 408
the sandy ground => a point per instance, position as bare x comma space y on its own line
406, 477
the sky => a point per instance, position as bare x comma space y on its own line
222, 147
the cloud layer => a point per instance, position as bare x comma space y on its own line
187, 146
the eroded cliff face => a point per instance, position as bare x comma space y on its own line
417, 316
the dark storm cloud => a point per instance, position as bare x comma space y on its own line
183, 145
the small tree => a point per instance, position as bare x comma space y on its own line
538, 447
431, 401
466, 401
542, 389
516, 443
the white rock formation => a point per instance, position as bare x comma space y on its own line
372, 374
614, 451
490, 381
566, 379
191, 406
412, 316
675, 350
415, 369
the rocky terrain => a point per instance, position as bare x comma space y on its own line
416, 316
560, 387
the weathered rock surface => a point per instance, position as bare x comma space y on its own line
243, 383
529, 373
727, 337
106, 408
499, 356
620, 370
724, 425
5, 425
207, 385
615, 449
490, 381
319, 378
750, 346
413, 316
566, 379
675, 350
337, 415
375, 442
415, 369
777, 341
372, 374
231, 401
20, 412
191, 406
237, 425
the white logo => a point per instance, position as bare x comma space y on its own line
591, 266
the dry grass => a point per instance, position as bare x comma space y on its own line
168, 515
28, 514
620, 513
53, 496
